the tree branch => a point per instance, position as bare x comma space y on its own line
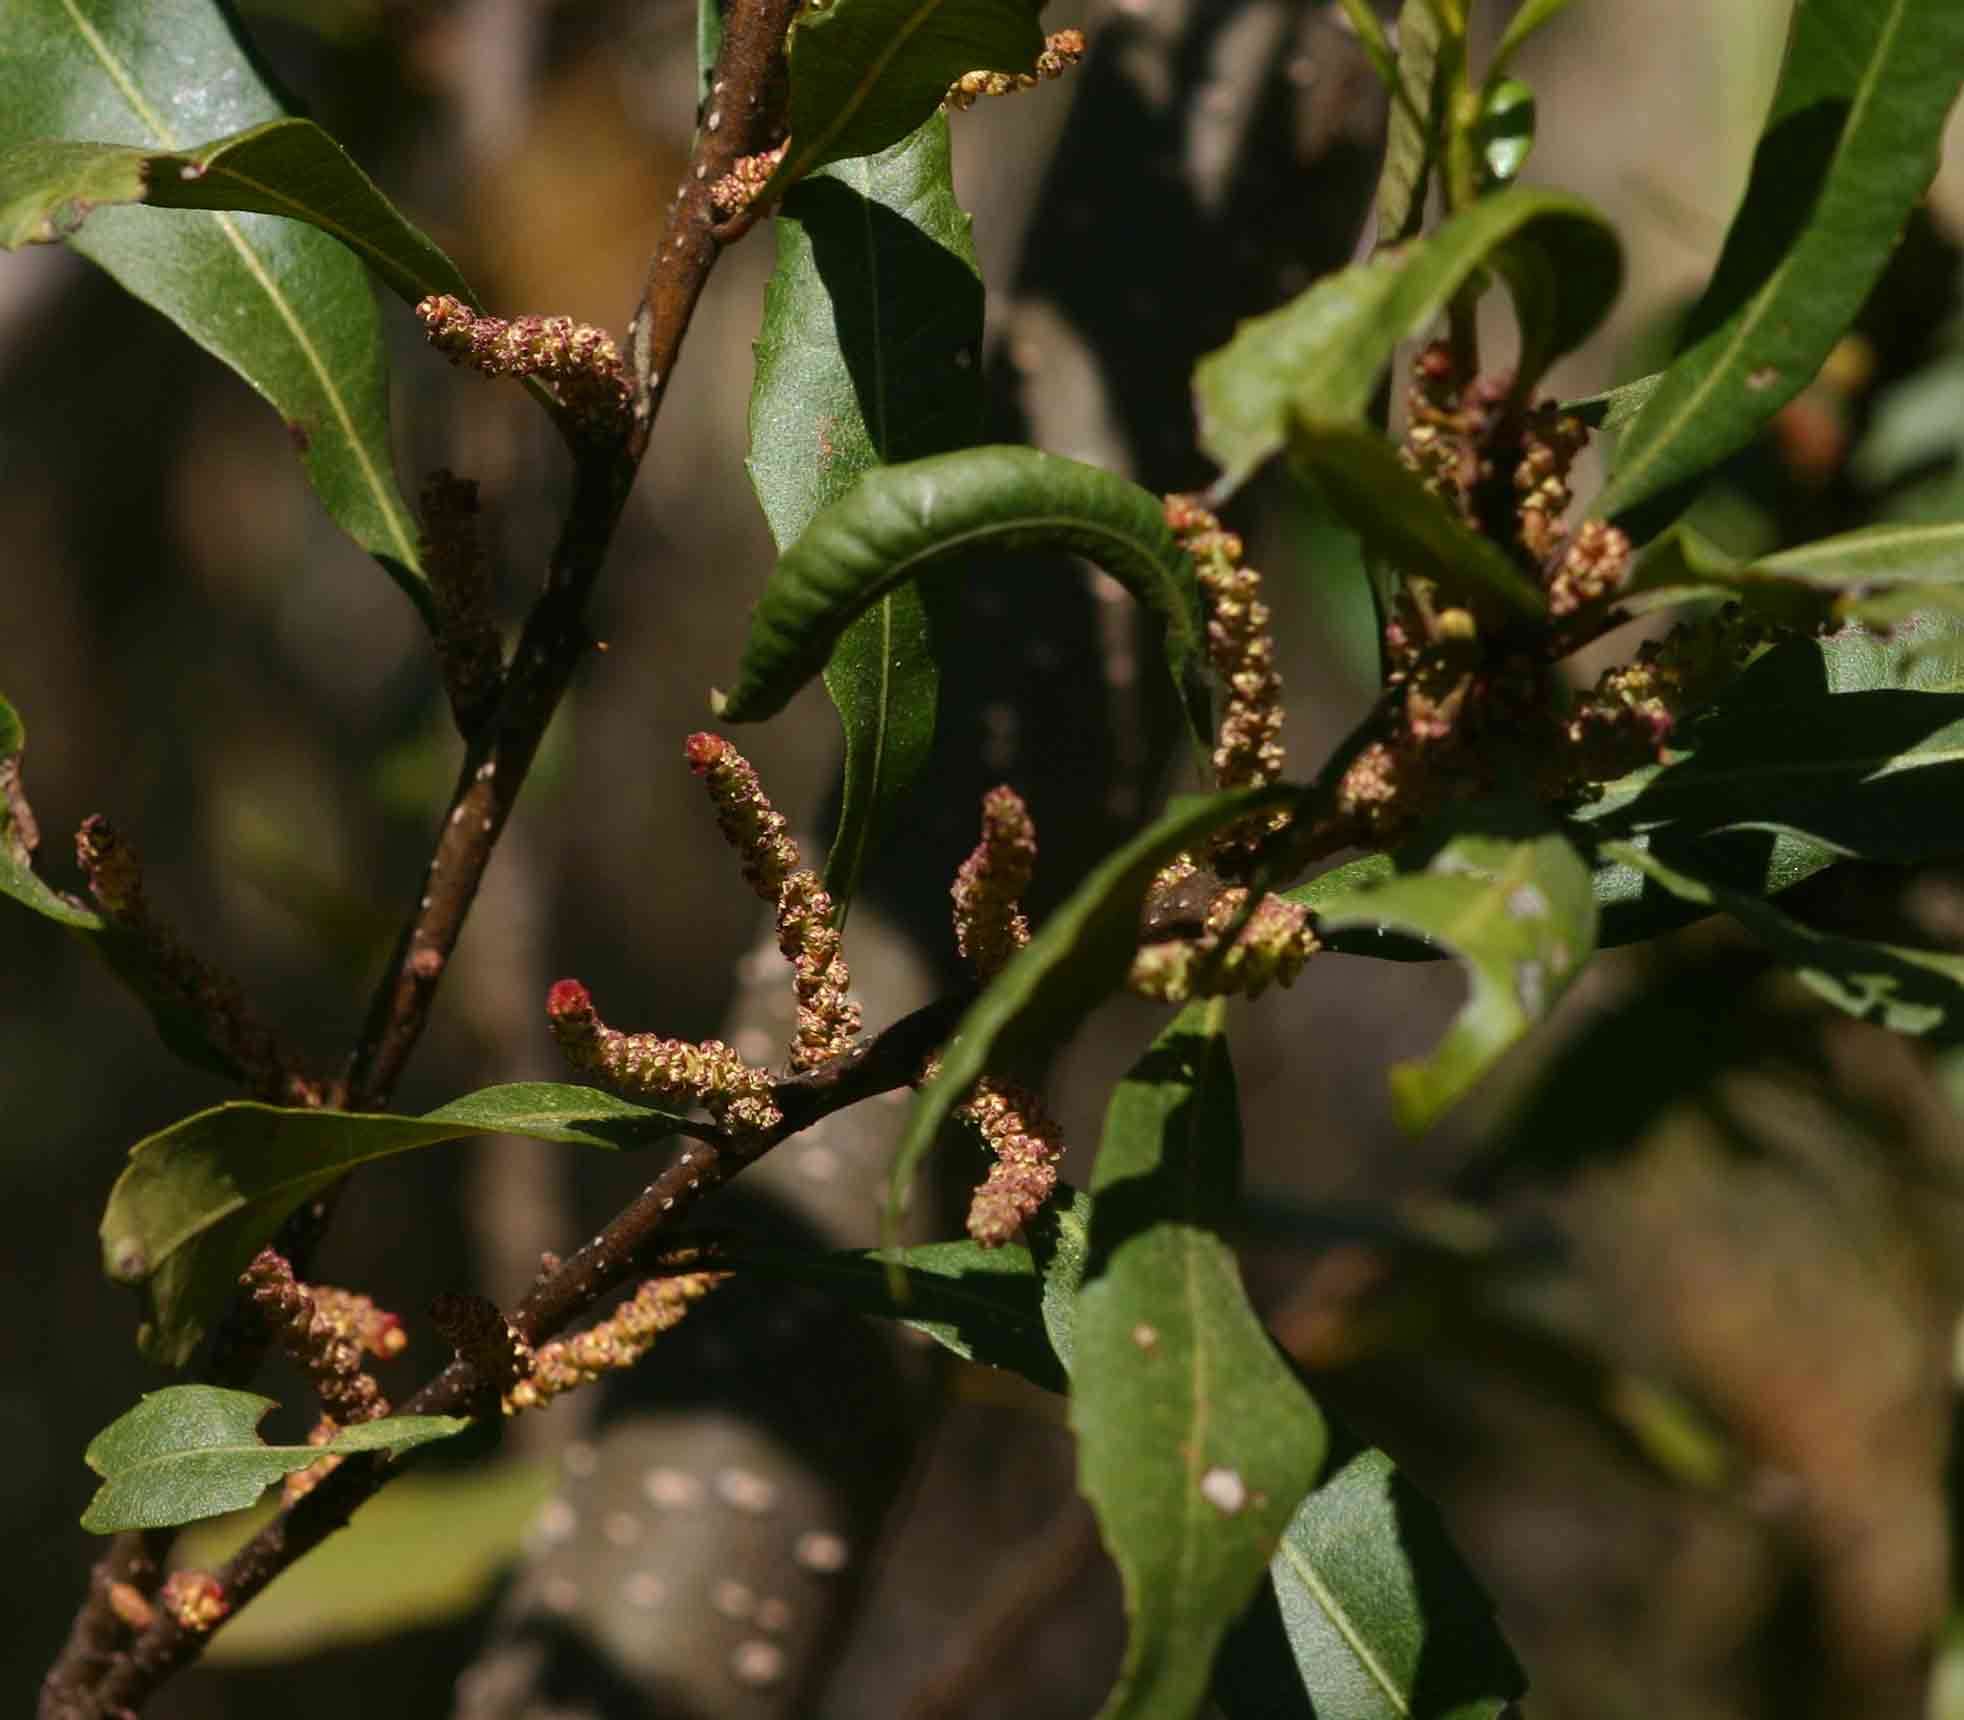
631, 1245
747, 105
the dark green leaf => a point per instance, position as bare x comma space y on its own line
901, 522
1078, 958
985, 1304
191, 1451
431, 1549
1850, 575
283, 304
1514, 906
864, 73
1849, 148
1918, 992
869, 354
1320, 357
1850, 746
290, 167
1381, 1616
1381, 499
1616, 407
1195, 1441
1060, 1239
709, 44
1506, 130
199, 1199
1411, 138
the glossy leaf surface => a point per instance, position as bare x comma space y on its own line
283, 304
1918, 992
1515, 908
865, 73
290, 167
901, 522
1381, 499
1320, 356
1195, 1441
199, 1199
869, 355
1383, 1618
188, 1452
1903, 564
1848, 150
1078, 957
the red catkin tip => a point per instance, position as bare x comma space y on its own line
568, 998
704, 751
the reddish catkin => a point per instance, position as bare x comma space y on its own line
828, 1019
989, 884
1027, 1143
617, 1342
1061, 51
581, 362
669, 1071
328, 1351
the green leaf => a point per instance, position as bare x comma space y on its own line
901, 522
1514, 906
984, 1304
290, 167
869, 354
1381, 1617
198, 1200
864, 73
18, 878
1615, 407
1849, 148
1847, 576
1505, 133
1381, 499
1195, 1441
430, 1549
283, 304
1320, 356
1080, 956
1412, 129
1528, 17
1918, 992
191, 1451
1742, 800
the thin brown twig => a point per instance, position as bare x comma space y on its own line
747, 109
622, 1251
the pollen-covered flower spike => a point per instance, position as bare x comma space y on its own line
739, 188
989, 884
581, 362
617, 1342
328, 1352
1027, 1143
1061, 51
828, 1019
647, 1066
1271, 950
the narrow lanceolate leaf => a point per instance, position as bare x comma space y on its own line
1846, 747
188, 1452
282, 303
1383, 1619
901, 522
1320, 356
1918, 992
869, 355
984, 1304
864, 73
1849, 149
1514, 906
1528, 17
1615, 407
1412, 128
1078, 958
1381, 499
50, 186
1195, 1441
199, 1199
1850, 575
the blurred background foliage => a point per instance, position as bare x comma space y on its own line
1722, 1189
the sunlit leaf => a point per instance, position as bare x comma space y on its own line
188, 1452
1195, 1441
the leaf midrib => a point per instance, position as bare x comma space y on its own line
1339, 1617
862, 91
131, 93
1669, 429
